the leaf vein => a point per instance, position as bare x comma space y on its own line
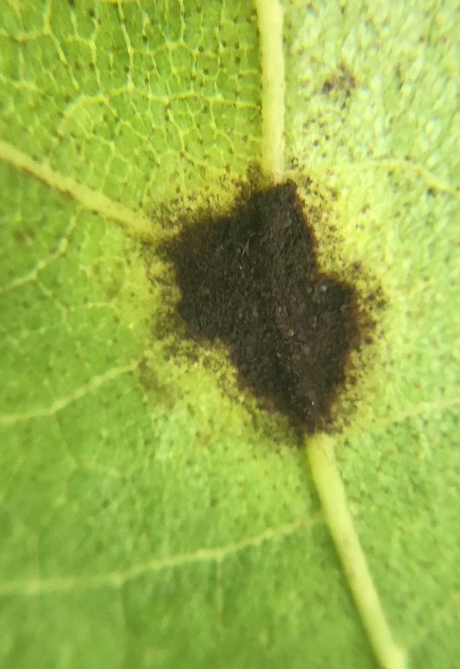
118, 578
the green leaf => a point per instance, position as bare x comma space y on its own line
151, 514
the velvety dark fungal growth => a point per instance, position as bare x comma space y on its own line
251, 279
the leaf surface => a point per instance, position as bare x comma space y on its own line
151, 514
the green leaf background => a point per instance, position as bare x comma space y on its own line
151, 514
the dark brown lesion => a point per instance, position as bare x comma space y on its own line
251, 279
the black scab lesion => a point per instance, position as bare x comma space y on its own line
251, 279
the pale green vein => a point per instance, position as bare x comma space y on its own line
440, 614
129, 48
118, 578
270, 22
33, 273
403, 165
52, 409
330, 488
420, 409
134, 222
320, 450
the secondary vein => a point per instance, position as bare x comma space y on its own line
134, 222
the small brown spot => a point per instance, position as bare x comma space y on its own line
343, 80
